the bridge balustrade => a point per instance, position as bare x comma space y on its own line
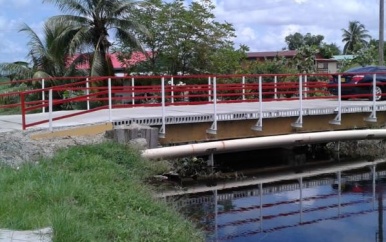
88, 94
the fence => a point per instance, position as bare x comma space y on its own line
88, 94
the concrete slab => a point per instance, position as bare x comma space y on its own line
39, 235
14, 122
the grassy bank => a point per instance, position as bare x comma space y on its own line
90, 193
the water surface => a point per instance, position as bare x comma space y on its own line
309, 208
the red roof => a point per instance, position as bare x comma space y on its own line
136, 58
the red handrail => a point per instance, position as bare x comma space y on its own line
194, 90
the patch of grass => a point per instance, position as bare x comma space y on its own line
90, 193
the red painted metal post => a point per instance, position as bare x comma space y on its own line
22, 107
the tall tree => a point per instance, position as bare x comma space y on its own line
186, 39
297, 40
329, 50
355, 37
93, 21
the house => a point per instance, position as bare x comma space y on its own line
270, 55
341, 58
322, 65
119, 67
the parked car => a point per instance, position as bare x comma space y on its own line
358, 80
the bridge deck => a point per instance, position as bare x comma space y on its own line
199, 113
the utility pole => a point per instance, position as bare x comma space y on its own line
381, 30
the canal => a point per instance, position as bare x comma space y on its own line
338, 201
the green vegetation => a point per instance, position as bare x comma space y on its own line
185, 39
90, 193
297, 41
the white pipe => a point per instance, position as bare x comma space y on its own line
262, 143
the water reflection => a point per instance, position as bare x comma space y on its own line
344, 203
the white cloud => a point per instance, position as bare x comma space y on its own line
271, 21
300, 1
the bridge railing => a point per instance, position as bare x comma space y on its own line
88, 94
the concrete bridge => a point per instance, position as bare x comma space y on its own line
215, 110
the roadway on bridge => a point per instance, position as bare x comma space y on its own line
14, 122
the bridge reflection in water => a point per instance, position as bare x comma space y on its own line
338, 206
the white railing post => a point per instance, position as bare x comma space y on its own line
275, 89
301, 199
132, 91
340, 90
339, 192
374, 87
88, 93
50, 103
373, 116
172, 89
213, 128
110, 100
216, 215
259, 125
43, 97
374, 174
261, 205
163, 127
305, 86
338, 118
209, 88
299, 121
243, 82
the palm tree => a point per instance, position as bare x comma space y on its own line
354, 37
47, 59
91, 23
47, 56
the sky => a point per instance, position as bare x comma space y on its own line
262, 25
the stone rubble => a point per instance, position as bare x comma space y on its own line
17, 147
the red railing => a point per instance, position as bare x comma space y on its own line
96, 93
